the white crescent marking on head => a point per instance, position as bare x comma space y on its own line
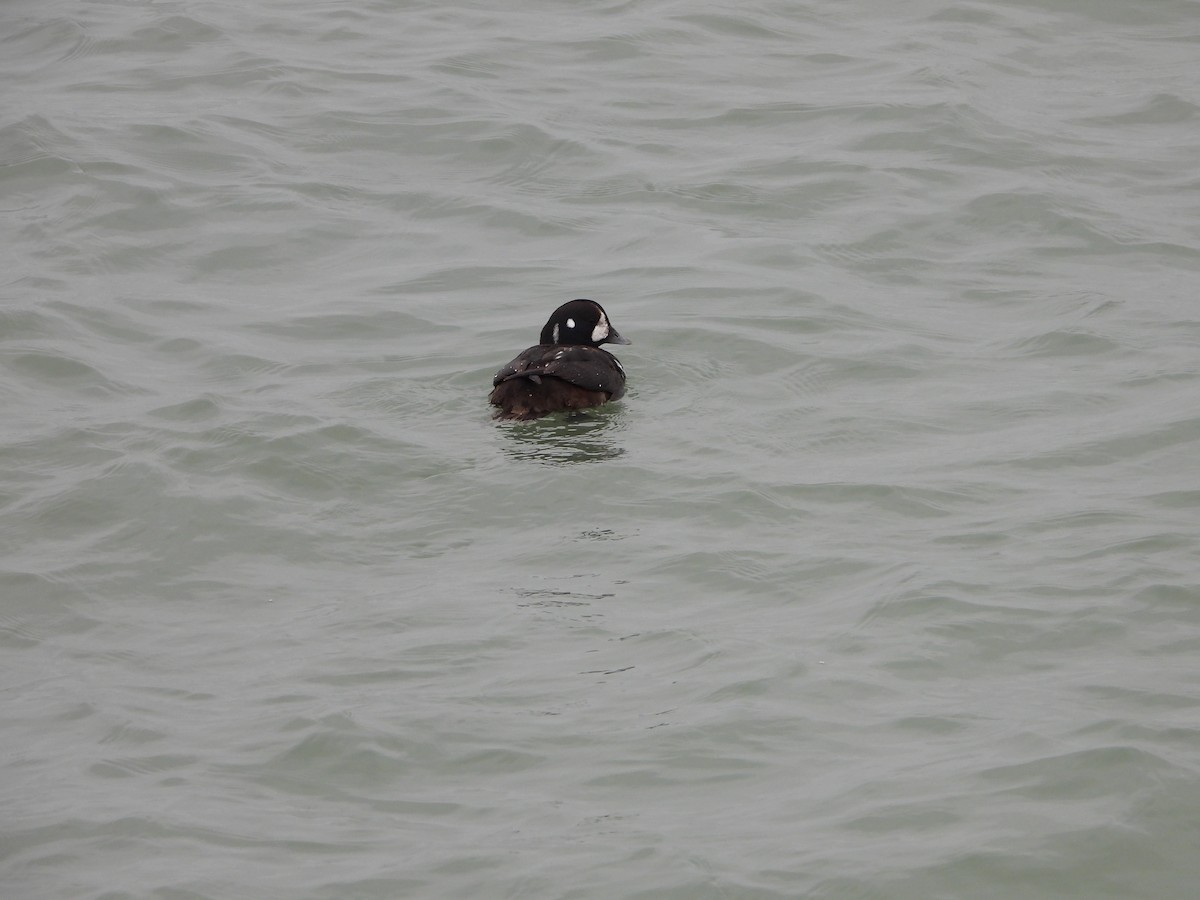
600, 332
555, 335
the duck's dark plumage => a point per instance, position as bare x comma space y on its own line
566, 371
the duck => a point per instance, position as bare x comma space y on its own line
566, 369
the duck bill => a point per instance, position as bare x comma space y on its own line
615, 338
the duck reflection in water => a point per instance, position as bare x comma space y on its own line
579, 437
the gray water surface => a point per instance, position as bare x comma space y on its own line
883, 581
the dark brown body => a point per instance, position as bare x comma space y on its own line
554, 378
522, 400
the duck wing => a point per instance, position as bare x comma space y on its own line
590, 368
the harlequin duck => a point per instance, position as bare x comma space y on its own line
567, 370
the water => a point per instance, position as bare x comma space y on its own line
881, 583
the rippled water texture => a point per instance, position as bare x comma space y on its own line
882, 582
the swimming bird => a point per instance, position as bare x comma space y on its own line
565, 370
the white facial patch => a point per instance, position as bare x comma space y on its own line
555, 335
570, 323
600, 332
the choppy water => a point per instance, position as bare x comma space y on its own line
883, 582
